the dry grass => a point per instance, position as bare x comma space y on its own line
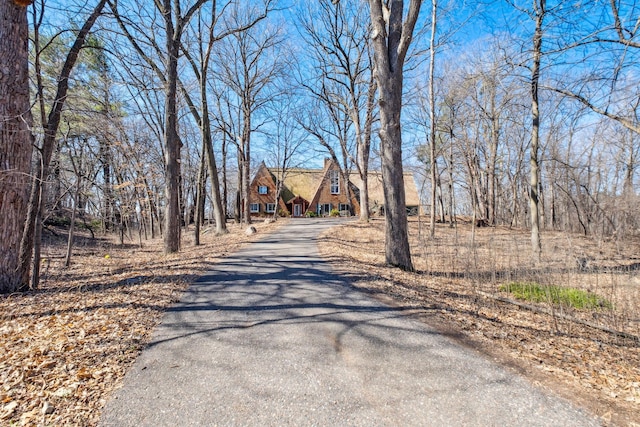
65, 347
456, 288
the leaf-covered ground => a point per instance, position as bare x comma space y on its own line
65, 347
456, 289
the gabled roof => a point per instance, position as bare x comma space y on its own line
306, 182
376, 192
263, 170
322, 181
300, 182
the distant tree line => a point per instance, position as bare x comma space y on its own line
147, 119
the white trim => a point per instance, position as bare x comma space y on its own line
254, 207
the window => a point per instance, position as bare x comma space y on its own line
255, 207
344, 207
335, 182
271, 207
262, 189
324, 209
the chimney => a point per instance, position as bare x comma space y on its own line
327, 160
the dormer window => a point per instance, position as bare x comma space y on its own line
262, 189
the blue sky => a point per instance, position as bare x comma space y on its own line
464, 26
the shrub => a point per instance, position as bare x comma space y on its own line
334, 212
310, 214
570, 297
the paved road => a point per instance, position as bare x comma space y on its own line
273, 338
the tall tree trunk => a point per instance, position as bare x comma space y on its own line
16, 141
106, 160
246, 163
493, 158
225, 190
552, 196
364, 150
397, 251
452, 216
432, 118
200, 191
238, 203
246, 205
441, 209
171, 139
72, 225
218, 210
534, 174
364, 197
391, 38
362, 165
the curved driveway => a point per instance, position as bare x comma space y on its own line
273, 337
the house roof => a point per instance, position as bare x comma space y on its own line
304, 183
376, 192
300, 182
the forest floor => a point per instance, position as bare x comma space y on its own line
591, 357
65, 347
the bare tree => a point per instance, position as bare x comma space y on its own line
609, 89
337, 36
248, 63
207, 37
539, 13
432, 117
174, 25
391, 36
30, 243
286, 138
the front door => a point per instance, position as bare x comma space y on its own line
297, 210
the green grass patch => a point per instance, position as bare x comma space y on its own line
569, 297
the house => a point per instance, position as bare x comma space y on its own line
320, 191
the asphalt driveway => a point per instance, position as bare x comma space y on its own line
273, 337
